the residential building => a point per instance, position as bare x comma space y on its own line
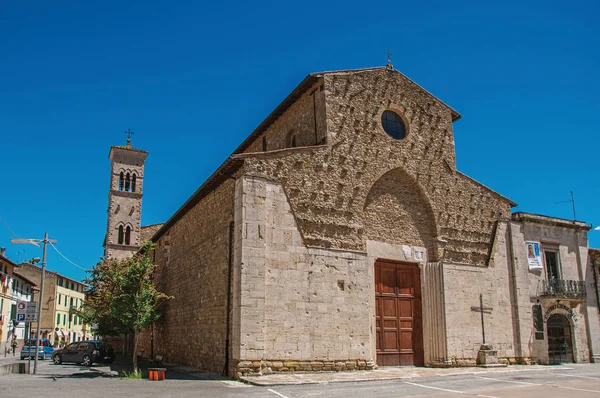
23, 290
61, 295
341, 235
14, 288
6, 282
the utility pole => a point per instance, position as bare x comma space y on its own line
40, 300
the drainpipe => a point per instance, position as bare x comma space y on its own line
229, 272
519, 346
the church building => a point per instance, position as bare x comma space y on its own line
340, 235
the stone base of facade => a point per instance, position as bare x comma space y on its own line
256, 368
470, 362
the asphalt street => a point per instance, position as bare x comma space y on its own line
63, 380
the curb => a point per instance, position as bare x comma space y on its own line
259, 383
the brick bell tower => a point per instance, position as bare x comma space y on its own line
122, 238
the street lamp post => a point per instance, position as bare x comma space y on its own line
39, 310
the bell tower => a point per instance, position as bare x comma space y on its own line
122, 238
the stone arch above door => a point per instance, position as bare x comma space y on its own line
397, 211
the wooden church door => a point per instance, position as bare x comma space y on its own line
398, 314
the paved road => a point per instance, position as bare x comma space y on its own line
60, 381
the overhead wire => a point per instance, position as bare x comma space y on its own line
54, 247
7, 227
65, 257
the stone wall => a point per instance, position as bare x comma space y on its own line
328, 187
299, 308
124, 208
462, 285
305, 119
193, 267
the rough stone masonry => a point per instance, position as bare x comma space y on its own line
273, 260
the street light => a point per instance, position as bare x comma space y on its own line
36, 242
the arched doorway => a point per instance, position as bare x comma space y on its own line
560, 346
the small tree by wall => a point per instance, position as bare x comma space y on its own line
121, 297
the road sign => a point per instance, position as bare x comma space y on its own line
27, 311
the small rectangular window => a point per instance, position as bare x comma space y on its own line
552, 264
58, 319
59, 299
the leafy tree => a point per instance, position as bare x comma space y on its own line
121, 297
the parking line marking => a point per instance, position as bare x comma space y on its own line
447, 390
578, 389
276, 393
581, 377
509, 381
434, 388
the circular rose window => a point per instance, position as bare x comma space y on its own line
393, 125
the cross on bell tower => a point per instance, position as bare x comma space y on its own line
129, 134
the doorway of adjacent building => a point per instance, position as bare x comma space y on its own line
398, 314
560, 347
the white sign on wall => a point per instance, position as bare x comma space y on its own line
534, 255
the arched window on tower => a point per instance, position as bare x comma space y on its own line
127, 182
133, 183
120, 241
128, 235
121, 181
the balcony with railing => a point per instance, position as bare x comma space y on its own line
562, 289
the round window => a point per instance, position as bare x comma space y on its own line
393, 125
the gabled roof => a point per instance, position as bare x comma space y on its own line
308, 82
233, 163
455, 114
16, 274
9, 261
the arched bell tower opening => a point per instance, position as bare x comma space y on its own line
124, 201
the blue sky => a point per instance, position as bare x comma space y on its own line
193, 80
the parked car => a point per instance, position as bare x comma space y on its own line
45, 350
85, 352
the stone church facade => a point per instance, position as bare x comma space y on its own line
340, 235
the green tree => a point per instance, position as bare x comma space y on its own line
121, 297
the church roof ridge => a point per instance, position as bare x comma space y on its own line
128, 148
455, 115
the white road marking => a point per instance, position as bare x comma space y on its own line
447, 390
581, 377
434, 388
578, 389
276, 393
509, 381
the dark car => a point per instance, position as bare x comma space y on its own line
85, 352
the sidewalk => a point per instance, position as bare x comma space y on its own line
386, 373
